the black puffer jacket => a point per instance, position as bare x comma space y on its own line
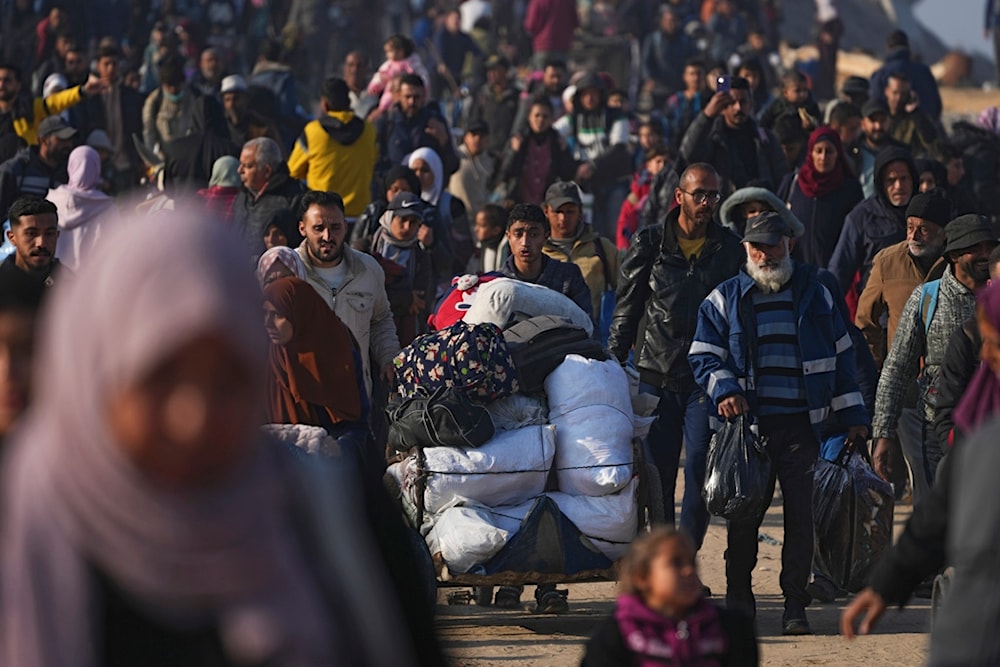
658, 282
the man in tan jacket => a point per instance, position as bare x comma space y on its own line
896, 271
572, 240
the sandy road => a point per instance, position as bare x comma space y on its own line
477, 636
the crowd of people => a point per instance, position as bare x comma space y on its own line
754, 236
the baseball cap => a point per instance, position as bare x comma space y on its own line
562, 192
407, 205
57, 126
767, 228
968, 230
873, 107
234, 83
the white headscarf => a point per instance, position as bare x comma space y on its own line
225, 553
431, 158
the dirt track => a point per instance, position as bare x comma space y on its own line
477, 636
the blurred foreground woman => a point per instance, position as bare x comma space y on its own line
145, 520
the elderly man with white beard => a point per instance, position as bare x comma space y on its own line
771, 344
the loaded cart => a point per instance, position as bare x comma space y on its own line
535, 542
520, 453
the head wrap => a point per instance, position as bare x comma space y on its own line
813, 183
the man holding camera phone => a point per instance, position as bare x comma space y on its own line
726, 136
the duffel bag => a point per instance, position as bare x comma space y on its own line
445, 418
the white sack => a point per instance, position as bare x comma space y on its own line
465, 536
590, 407
517, 411
609, 521
507, 470
498, 301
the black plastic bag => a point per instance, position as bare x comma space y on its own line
738, 472
852, 514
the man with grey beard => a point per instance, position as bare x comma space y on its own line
771, 344
896, 271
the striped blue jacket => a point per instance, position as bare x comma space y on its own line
721, 353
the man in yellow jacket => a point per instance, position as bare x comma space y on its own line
21, 114
337, 152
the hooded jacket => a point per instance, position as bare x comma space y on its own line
874, 224
28, 112
600, 137
823, 217
731, 219
919, 75
337, 153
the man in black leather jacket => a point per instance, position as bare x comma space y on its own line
668, 271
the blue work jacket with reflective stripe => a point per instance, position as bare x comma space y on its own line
722, 352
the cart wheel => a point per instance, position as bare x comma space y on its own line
425, 566
484, 595
942, 584
655, 511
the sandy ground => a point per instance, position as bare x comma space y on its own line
478, 636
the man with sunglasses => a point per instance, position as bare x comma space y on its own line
667, 272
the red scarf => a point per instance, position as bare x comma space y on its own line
814, 184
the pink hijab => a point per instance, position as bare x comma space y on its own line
79, 201
72, 501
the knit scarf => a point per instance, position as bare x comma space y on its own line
654, 640
391, 248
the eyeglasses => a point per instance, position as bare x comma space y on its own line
701, 196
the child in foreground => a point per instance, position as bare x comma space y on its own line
661, 616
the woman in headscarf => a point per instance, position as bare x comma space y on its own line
314, 367
279, 262
223, 186
146, 521
447, 221
821, 194
84, 211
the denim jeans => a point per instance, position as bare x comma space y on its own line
682, 419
